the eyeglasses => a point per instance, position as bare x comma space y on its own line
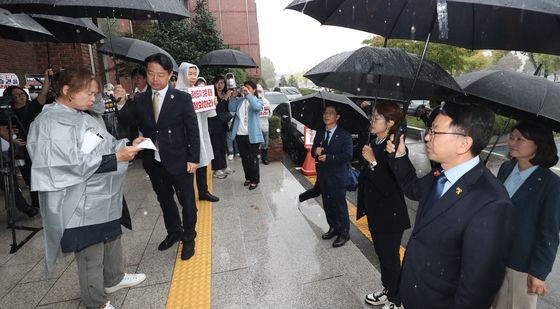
433, 133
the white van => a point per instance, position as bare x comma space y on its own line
291, 92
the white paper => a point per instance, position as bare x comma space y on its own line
156, 156
91, 140
147, 144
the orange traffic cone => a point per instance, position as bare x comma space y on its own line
308, 168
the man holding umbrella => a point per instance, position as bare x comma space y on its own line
167, 117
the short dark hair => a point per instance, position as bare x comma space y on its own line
252, 84
8, 92
336, 108
216, 79
390, 111
77, 78
161, 59
138, 71
541, 135
474, 120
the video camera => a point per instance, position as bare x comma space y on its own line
6, 102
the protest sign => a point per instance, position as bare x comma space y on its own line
203, 98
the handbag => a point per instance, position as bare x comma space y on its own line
353, 176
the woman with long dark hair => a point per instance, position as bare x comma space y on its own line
535, 192
218, 127
382, 201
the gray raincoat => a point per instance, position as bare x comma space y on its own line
71, 194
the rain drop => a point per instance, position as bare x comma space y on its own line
358, 89
398, 84
78, 31
353, 12
340, 10
145, 212
278, 130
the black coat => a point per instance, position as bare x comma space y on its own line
176, 131
536, 221
380, 196
334, 171
219, 123
455, 257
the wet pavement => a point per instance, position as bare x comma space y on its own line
266, 250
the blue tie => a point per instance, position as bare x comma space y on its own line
326, 142
436, 193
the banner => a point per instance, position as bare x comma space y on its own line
203, 98
265, 112
308, 136
7, 80
34, 82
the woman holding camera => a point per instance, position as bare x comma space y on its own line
382, 201
246, 130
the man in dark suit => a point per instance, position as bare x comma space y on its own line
456, 253
167, 117
332, 149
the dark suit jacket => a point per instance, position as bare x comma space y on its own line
334, 171
380, 196
176, 131
536, 221
455, 257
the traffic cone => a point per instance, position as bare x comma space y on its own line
308, 168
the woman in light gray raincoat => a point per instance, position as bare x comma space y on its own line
78, 169
188, 74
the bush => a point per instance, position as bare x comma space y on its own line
500, 125
306, 91
274, 127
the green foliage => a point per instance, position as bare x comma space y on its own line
268, 72
503, 125
188, 40
414, 122
292, 81
283, 81
306, 91
274, 127
455, 60
551, 63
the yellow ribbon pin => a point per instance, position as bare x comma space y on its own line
458, 191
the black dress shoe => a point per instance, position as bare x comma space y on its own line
168, 242
208, 197
247, 182
330, 234
253, 186
265, 161
340, 241
28, 210
188, 250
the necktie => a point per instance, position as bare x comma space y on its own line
326, 141
436, 193
155, 105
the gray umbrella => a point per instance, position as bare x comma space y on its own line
126, 9
309, 111
227, 58
21, 27
383, 73
514, 94
70, 30
526, 25
132, 49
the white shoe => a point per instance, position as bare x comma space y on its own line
228, 171
390, 305
108, 306
219, 174
129, 280
230, 157
378, 298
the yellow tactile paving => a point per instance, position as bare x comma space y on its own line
361, 224
191, 285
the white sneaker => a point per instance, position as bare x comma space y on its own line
108, 306
129, 280
377, 298
219, 174
228, 171
390, 305
230, 157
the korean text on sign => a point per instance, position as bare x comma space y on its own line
203, 98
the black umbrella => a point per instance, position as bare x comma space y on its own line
227, 58
70, 30
132, 49
526, 25
383, 73
309, 111
126, 9
21, 27
514, 94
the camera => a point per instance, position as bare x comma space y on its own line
6, 102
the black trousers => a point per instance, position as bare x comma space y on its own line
387, 248
219, 146
334, 204
311, 193
201, 181
249, 159
165, 185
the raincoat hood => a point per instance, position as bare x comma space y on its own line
182, 78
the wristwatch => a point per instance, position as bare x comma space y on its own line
372, 164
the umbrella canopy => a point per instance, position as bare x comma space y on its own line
70, 30
132, 49
126, 9
227, 58
385, 73
309, 111
474, 24
514, 94
21, 27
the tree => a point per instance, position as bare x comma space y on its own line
268, 73
551, 64
187, 41
292, 81
283, 81
455, 60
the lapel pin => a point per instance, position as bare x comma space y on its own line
436, 173
458, 191
172, 96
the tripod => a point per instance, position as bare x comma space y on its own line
8, 172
